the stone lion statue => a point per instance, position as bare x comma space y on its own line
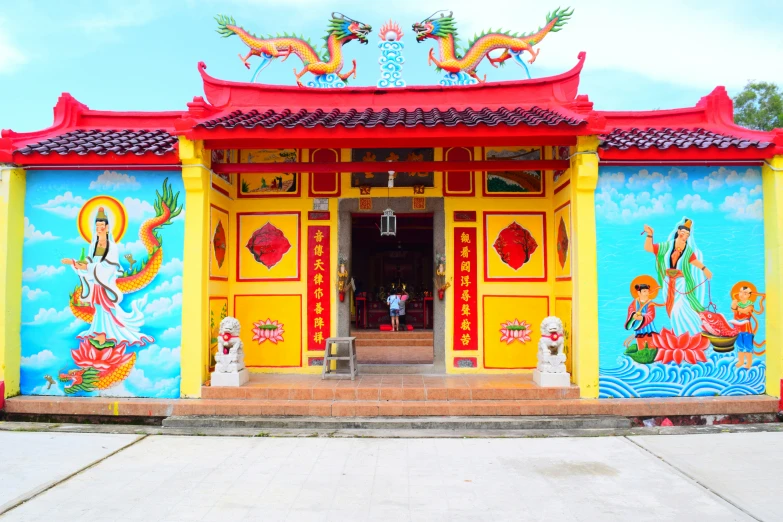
551, 358
229, 358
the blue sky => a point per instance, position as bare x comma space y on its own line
142, 54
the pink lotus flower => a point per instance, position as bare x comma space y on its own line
685, 347
515, 331
268, 330
107, 359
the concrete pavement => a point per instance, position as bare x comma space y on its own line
719, 477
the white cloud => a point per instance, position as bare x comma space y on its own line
157, 388
175, 284
694, 202
51, 315
659, 182
172, 268
31, 235
173, 334
76, 324
723, 176
45, 389
135, 248
616, 207
11, 56
111, 180
756, 191
67, 205
158, 358
164, 306
742, 207
77, 241
608, 179
41, 271
605, 204
31, 294
39, 360
137, 209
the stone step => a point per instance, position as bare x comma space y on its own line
394, 354
374, 334
391, 341
406, 423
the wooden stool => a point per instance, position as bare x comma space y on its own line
351, 357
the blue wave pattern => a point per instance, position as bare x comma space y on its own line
460, 78
326, 81
718, 376
391, 61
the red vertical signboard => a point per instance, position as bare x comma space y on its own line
318, 287
465, 289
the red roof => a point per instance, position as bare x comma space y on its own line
545, 110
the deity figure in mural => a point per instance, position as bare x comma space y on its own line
681, 274
98, 273
742, 305
641, 312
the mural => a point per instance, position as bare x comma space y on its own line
513, 183
102, 316
401, 179
515, 246
218, 230
560, 153
563, 242
266, 184
681, 307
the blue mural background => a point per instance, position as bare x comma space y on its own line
726, 207
52, 204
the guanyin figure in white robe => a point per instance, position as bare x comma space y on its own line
98, 274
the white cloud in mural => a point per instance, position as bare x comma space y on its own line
658, 182
695, 203
164, 306
723, 176
616, 206
39, 360
742, 206
172, 268
158, 388
158, 358
31, 235
174, 333
173, 285
46, 389
51, 315
41, 272
31, 294
111, 180
605, 205
609, 179
136, 249
76, 324
76, 241
137, 209
756, 191
66, 205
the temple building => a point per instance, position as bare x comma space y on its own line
654, 236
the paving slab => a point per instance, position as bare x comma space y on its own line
746, 469
232, 478
31, 462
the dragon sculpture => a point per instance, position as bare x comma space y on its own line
444, 30
102, 365
339, 32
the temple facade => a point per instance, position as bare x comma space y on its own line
654, 236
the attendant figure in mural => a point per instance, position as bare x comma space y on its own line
98, 274
641, 312
744, 310
682, 276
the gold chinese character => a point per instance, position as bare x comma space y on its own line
318, 250
319, 265
466, 295
464, 280
466, 310
318, 338
319, 309
318, 293
465, 339
464, 238
318, 322
465, 266
465, 325
465, 252
319, 236
318, 279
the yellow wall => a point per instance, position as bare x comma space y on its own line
12, 191
772, 181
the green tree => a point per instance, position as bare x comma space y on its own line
759, 106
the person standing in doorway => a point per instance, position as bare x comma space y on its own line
394, 310
403, 299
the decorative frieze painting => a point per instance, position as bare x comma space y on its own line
272, 329
511, 330
564, 242
681, 285
515, 248
218, 243
266, 184
513, 183
225, 183
102, 276
401, 179
268, 246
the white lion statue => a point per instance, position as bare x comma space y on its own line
229, 358
551, 358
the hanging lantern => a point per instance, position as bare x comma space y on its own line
388, 223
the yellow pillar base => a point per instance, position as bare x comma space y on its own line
772, 184
12, 190
584, 173
195, 272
